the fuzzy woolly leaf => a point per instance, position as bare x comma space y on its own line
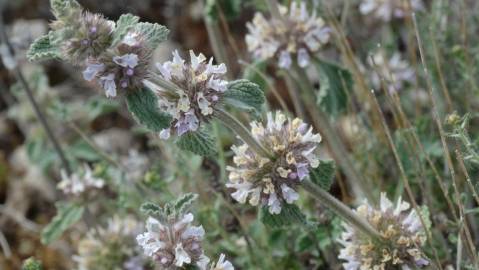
42, 49
123, 25
62, 8
184, 202
151, 209
31, 264
290, 214
142, 103
424, 212
198, 142
336, 84
245, 95
323, 175
67, 215
153, 33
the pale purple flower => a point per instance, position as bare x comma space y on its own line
92, 70
386, 10
402, 232
297, 35
274, 183
109, 85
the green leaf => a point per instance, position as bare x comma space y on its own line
424, 212
63, 8
31, 264
323, 175
82, 150
153, 33
123, 25
184, 202
256, 72
198, 142
67, 215
336, 84
290, 214
151, 209
143, 105
42, 49
245, 95
230, 8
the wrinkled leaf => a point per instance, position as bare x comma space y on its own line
323, 175
184, 202
67, 215
245, 95
290, 214
151, 209
335, 86
42, 49
123, 25
198, 142
153, 33
62, 8
143, 105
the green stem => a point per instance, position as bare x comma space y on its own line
239, 129
214, 36
322, 122
340, 209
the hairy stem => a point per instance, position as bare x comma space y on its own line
321, 122
41, 117
340, 209
239, 129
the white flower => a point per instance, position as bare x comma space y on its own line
199, 88
389, 9
222, 264
273, 183
92, 70
128, 60
109, 85
116, 240
75, 184
174, 243
402, 232
298, 35
395, 71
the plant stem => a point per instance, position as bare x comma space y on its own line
340, 209
214, 36
41, 117
321, 122
239, 129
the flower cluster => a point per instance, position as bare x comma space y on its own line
402, 231
272, 182
197, 87
76, 184
111, 247
174, 243
87, 40
92, 36
298, 35
389, 9
395, 71
123, 67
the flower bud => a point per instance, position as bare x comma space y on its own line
273, 182
92, 37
